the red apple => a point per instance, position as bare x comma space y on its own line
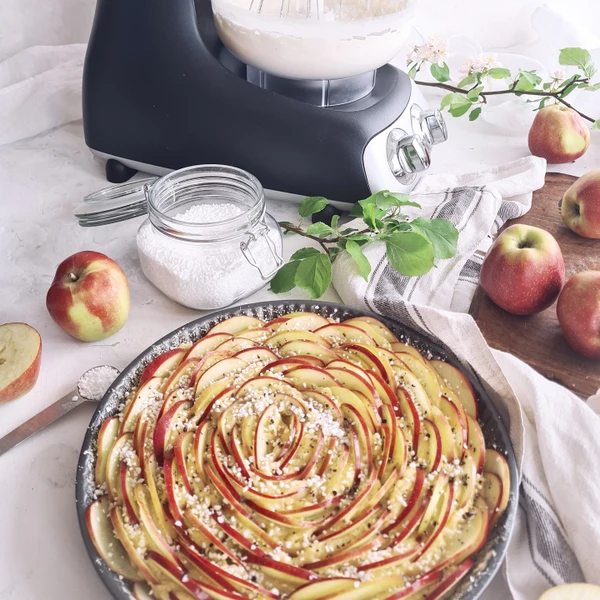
558, 134
580, 209
578, 312
523, 271
89, 297
20, 359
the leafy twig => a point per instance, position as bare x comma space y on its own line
469, 94
411, 246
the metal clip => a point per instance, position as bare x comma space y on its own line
247, 252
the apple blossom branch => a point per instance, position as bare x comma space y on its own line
469, 94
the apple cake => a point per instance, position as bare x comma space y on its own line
301, 459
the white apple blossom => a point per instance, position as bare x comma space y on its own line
435, 51
558, 76
482, 65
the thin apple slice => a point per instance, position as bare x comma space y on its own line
378, 325
446, 435
458, 426
305, 322
132, 539
113, 466
163, 364
181, 376
235, 325
452, 576
402, 348
256, 354
284, 364
235, 345
476, 443
20, 360
326, 588
106, 439
223, 368
300, 347
375, 332
572, 591
467, 482
106, 543
207, 344
167, 428
342, 334
283, 337
147, 393
496, 463
459, 384
492, 492
258, 334
309, 377
426, 376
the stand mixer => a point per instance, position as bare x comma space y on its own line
297, 92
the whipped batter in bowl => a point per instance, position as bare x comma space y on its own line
314, 40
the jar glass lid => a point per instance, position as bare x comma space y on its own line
113, 204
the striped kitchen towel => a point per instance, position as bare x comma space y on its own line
554, 433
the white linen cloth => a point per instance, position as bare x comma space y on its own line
554, 433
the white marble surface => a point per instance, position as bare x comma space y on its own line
42, 178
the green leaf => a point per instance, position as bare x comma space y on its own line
527, 81
284, 279
590, 88
596, 125
314, 275
286, 224
312, 205
474, 93
580, 58
362, 262
467, 81
360, 237
542, 103
319, 229
386, 200
334, 221
447, 100
564, 93
442, 74
372, 216
567, 82
349, 230
442, 234
409, 253
304, 253
498, 73
460, 110
547, 86
414, 70
333, 252
474, 114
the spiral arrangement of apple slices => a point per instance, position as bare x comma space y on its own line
299, 458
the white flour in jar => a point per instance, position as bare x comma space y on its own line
201, 275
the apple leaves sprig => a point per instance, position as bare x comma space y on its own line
412, 246
469, 94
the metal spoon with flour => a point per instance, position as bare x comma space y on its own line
91, 387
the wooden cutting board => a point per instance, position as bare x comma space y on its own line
537, 339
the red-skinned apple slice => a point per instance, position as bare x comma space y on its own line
280, 338
300, 347
496, 464
113, 466
451, 578
122, 531
467, 485
207, 344
163, 364
430, 445
402, 348
126, 494
165, 431
310, 377
184, 369
171, 475
236, 345
106, 543
147, 393
155, 537
326, 588
256, 354
257, 334
340, 334
377, 333
426, 376
459, 429
377, 325
373, 361
223, 368
476, 443
106, 438
412, 503
307, 322
445, 431
459, 384
235, 325
182, 448
20, 360
359, 383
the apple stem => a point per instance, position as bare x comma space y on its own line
484, 95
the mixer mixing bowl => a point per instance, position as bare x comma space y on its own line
314, 39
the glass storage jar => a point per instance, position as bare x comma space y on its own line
208, 240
